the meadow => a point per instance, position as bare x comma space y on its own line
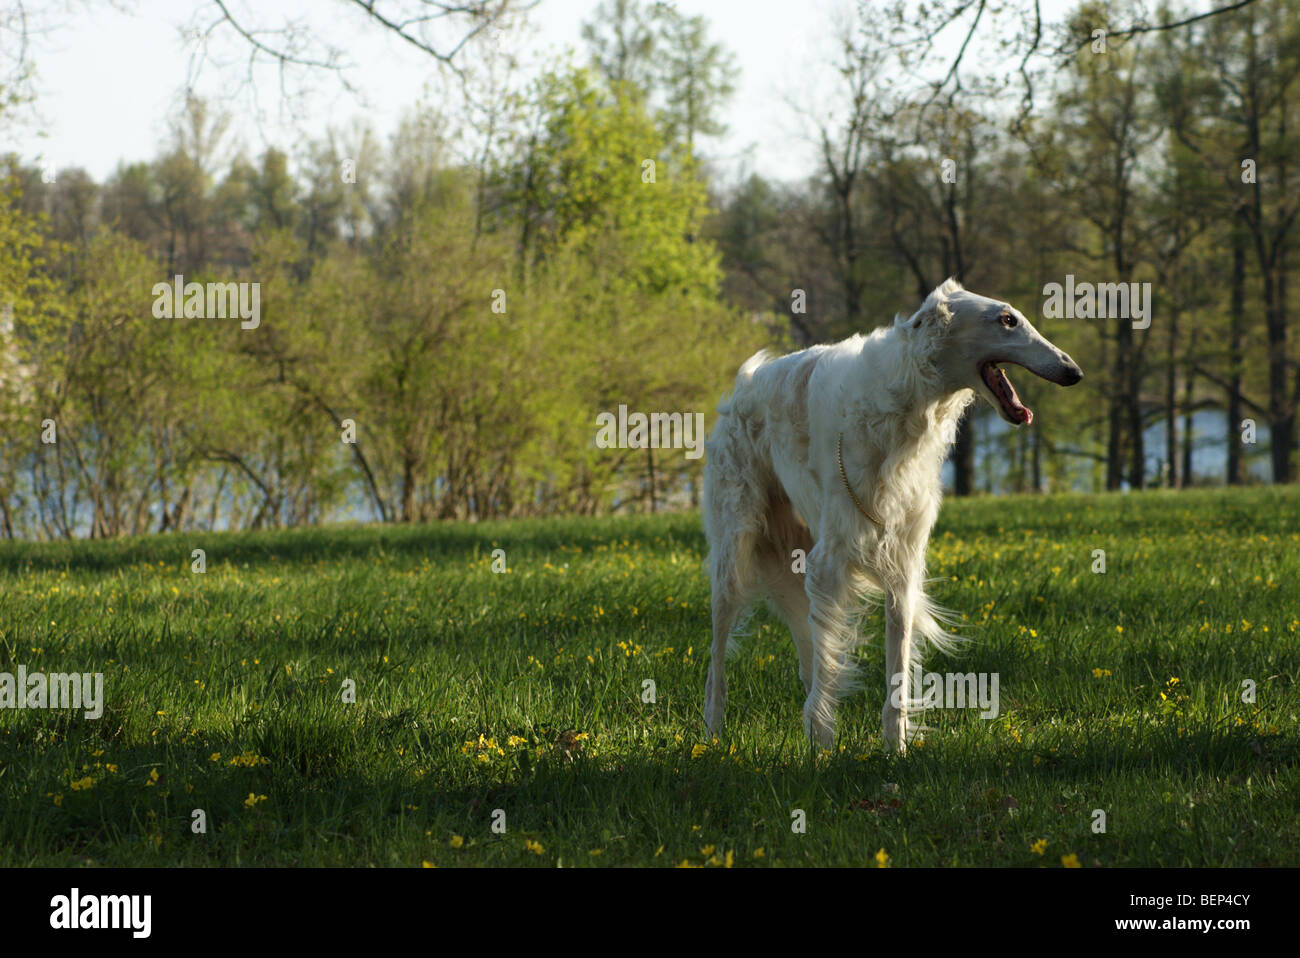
504, 717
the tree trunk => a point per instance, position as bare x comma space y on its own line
963, 454
1237, 317
1281, 415
1133, 405
1114, 435
650, 480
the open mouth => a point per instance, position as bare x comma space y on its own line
1013, 410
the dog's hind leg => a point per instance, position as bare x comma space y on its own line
736, 566
734, 508
784, 569
728, 604
790, 601
735, 580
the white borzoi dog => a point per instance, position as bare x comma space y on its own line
836, 451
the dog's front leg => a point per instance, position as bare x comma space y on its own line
899, 612
832, 639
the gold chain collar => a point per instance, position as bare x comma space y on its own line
839, 453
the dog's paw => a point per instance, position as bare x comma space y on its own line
713, 716
897, 733
820, 732
715, 703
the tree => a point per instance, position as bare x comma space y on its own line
1234, 108
697, 78
621, 37
1109, 120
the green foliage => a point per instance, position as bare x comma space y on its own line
393, 313
603, 176
29, 309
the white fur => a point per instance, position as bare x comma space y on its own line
773, 486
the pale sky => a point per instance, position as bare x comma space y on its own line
110, 79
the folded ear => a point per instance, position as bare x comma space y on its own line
935, 309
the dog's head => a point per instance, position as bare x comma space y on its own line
975, 334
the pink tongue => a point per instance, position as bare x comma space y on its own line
998, 382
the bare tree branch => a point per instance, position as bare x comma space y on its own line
1144, 27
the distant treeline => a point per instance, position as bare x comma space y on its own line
434, 331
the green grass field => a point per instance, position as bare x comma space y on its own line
523, 691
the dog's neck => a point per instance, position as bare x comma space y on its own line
902, 419
914, 393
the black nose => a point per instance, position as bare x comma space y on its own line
1072, 371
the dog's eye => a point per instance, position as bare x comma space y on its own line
1008, 320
